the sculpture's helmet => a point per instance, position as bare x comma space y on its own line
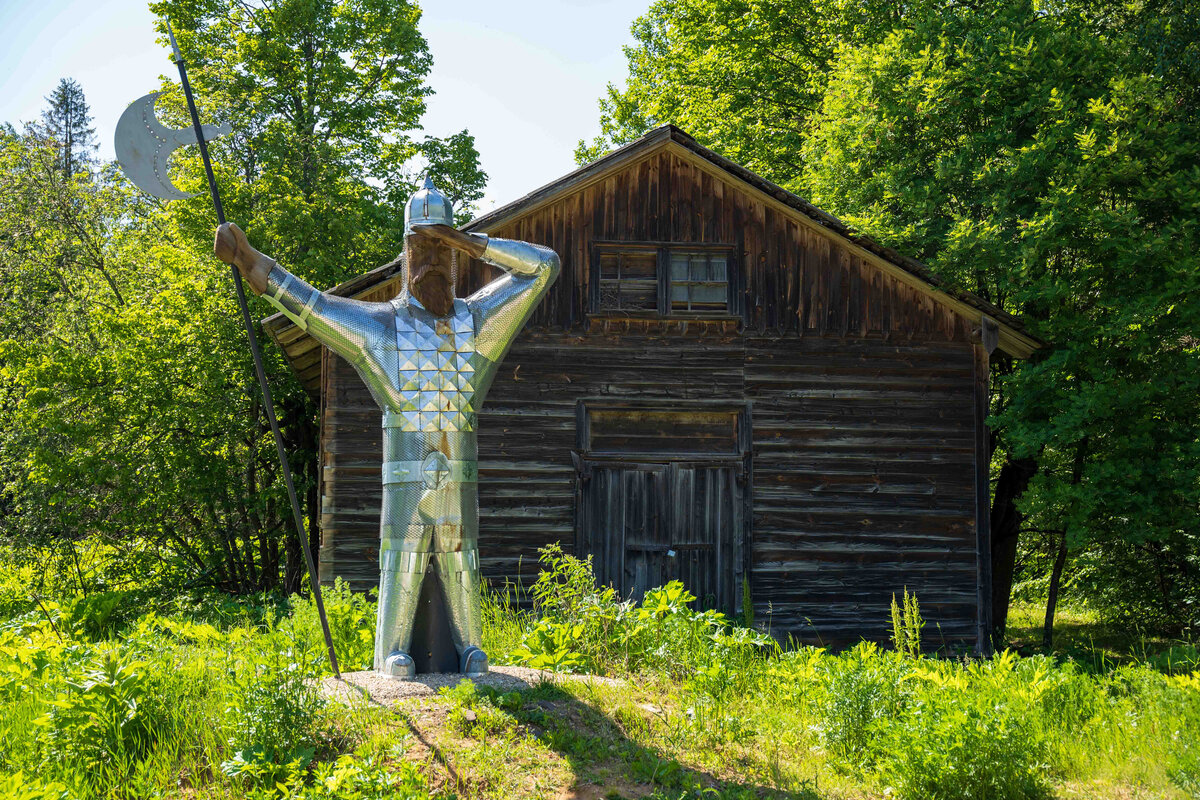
428, 205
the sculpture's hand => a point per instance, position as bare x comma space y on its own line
232, 247
467, 242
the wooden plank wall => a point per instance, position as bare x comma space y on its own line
863, 485
862, 409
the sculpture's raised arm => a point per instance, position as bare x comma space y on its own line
343, 325
507, 302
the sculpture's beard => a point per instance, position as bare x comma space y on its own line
430, 274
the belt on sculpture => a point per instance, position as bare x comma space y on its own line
434, 471
459, 560
300, 319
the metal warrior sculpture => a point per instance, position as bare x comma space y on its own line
428, 359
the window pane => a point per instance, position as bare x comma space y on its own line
609, 267
610, 295
628, 280
709, 293
639, 295
699, 281
643, 266
717, 271
679, 267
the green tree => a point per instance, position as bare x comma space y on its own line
1037, 157
67, 121
743, 76
325, 99
128, 406
121, 420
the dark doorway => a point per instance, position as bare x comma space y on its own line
673, 512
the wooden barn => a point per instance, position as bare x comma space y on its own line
725, 386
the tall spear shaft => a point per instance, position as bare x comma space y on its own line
269, 405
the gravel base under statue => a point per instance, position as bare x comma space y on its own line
377, 688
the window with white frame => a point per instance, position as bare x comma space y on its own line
699, 282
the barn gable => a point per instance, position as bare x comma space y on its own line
725, 386
666, 186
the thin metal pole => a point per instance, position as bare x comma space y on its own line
258, 363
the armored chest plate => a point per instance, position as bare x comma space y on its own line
436, 370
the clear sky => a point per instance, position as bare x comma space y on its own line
523, 77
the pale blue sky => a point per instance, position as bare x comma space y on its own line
530, 73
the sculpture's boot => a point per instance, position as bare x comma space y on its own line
459, 572
399, 665
400, 576
474, 663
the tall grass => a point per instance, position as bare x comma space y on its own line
218, 699
172, 706
997, 728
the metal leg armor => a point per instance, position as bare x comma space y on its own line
400, 575
459, 572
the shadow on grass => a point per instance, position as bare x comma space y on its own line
598, 749
601, 750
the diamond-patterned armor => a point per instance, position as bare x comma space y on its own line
430, 376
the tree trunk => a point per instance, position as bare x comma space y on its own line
293, 559
1006, 521
1060, 560
300, 436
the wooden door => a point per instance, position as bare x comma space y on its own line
706, 532
647, 523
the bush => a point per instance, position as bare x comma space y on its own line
273, 705
368, 779
966, 746
102, 615
351, 617
579, 626
15, 582
861, 695
1184, 769
99, 724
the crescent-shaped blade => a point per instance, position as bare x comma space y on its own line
144, 146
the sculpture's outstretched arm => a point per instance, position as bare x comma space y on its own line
506, 303
345, 326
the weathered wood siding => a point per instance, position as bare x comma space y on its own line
861, 391
863, 484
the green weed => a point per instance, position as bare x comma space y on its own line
907, 624
351, 618
220, 700
273, 705
578, 626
